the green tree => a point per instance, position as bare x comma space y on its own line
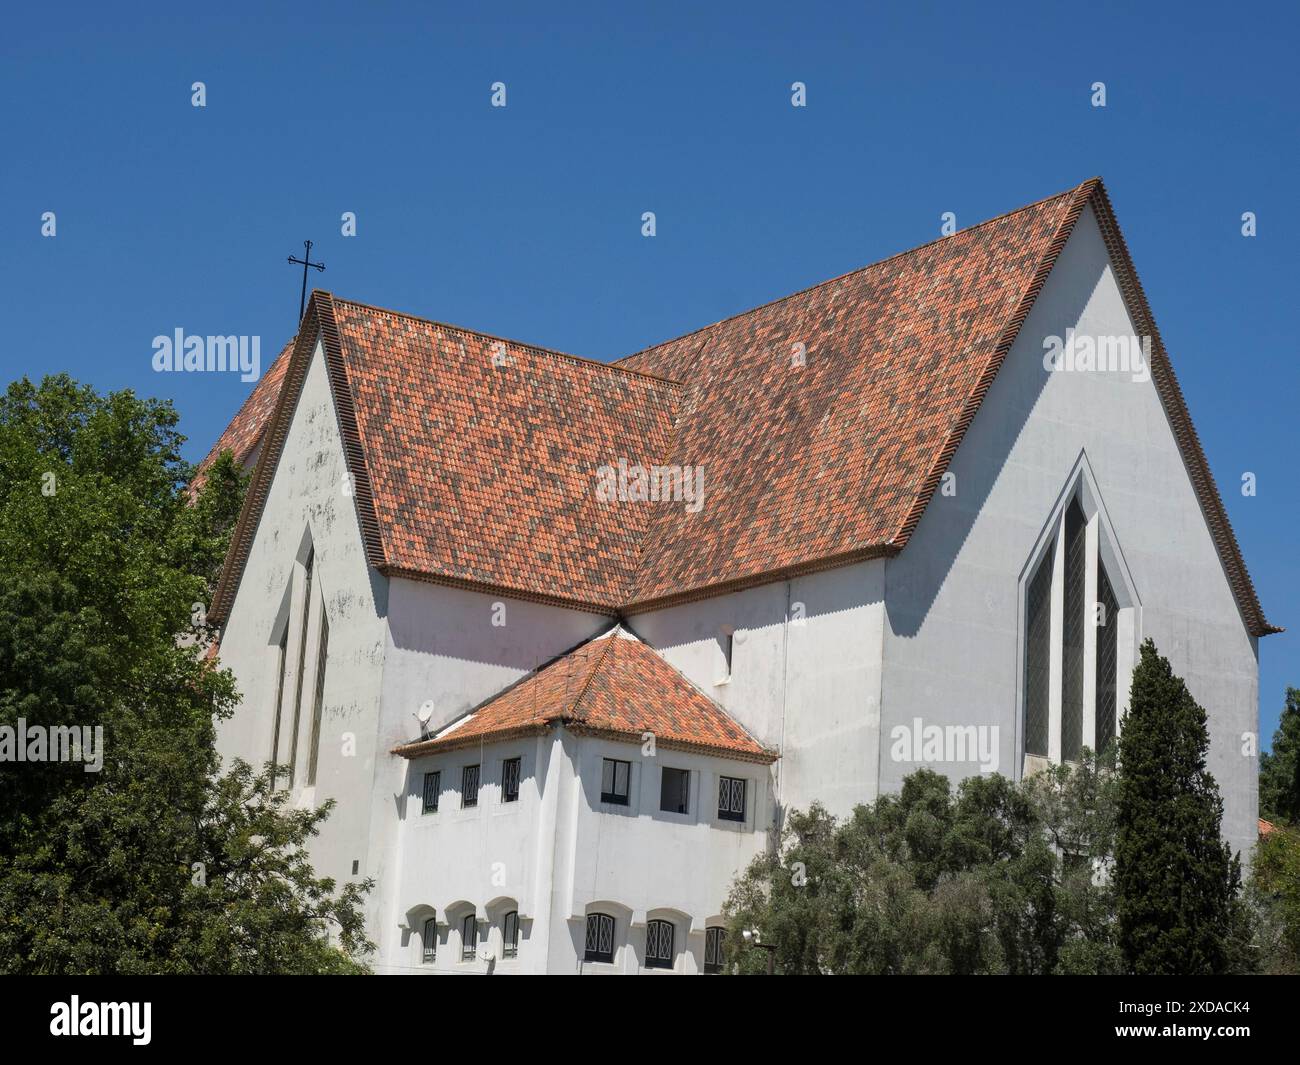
996, 878
1177, 883
1279, 769
156, 862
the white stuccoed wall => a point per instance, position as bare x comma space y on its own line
808, 686
306, 494
951, 649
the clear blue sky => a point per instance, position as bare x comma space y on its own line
525, 221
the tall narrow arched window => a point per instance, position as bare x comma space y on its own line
281, 660
713, 949
318, 702
659, 945
1038, 654
1107, 660
1076, 616
600, 937
302, 662
510, 935
429, 940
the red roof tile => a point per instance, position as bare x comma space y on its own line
244, 432
481, 472
613, 686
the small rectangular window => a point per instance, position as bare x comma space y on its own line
728, 647
469, 938
510, 780
469, 786
675, 791
429, 941
731, 799
432, 789
614, 777
713, 938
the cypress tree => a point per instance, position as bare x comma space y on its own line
1176, 880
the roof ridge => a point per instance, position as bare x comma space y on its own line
591, 674
537, 348
856, 270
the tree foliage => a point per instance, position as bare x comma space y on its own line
1177, 883
157, 862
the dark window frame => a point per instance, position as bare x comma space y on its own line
596, 922
469, 786
425, 806
714, 938
614, 797
429, 941
660, 936
512, 769
510, 935
469, 937
681, 805
726, 798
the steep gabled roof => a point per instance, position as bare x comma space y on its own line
245, 430
481, 472
614, 686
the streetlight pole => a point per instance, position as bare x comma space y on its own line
755, 939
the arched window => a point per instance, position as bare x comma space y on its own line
469, 938
659, 945
1077, 624
600, 937
713, 940
429, 940
510, 935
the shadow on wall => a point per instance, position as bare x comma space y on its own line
914, 577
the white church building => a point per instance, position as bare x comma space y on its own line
563, 638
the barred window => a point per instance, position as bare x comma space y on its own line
429, 941
731, 799
600, 937
675, 791
510, 935
432, 788
713, 938
659, 945
469, 786
469, 938
510, 780
614, 777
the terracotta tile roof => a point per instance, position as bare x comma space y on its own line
481, 455
1266, 828
614, 686
482, 472
244, 432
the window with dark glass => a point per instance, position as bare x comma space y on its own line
469, 938
469, 786
510, 935
318, 702
600, 937
1038, 653
731, 799
429, 940
713, 949
510, 780
432, 789
1107, 660
659, 945
1076, 617
728, 649
675, 791
614, 777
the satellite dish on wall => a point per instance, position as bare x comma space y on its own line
423, 715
